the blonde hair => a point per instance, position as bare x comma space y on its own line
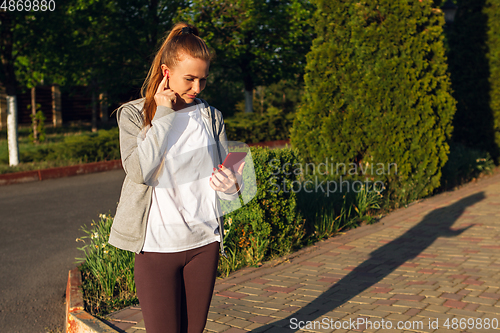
173, 47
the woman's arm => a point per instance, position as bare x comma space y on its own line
142, 156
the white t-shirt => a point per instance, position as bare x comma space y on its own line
183, 208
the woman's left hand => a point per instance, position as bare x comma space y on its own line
227, 181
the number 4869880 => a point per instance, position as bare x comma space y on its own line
28, 5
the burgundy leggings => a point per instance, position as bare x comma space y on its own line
175, 289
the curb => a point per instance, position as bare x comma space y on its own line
66, 171
77, 320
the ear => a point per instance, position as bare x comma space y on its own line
165, 71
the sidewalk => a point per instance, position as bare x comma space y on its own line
419, 267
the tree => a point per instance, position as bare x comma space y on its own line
378, 93
112, 43
8, 77
28, 57
21, 33
257, 42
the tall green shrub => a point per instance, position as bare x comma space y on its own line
493, 12
474, 51
377, 91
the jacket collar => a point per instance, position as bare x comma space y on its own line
205, 111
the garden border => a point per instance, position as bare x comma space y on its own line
77, 319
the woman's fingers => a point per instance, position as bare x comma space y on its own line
165, 96
162, 85
224, 179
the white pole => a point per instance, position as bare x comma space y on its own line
12, 130
248, 101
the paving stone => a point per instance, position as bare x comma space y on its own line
398, 317
390, 309
238, 314
464, 313
239, 323
450, 290
416, 298
235, 330
490, 295
216, 327
214, 316
224, 319
479, 300
454, 297
231, 294
410, 304
463, 292
488, 309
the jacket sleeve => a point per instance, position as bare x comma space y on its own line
223, 152
142, 156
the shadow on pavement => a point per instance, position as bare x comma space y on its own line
382, 262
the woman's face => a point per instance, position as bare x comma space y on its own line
188, 78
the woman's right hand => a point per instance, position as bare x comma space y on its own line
165, 96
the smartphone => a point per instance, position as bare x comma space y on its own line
234, 160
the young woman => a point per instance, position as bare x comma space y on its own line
172, 146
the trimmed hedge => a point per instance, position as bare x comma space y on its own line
493, 12
474, 58
89, 147
377, 93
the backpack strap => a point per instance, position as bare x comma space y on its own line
211, 112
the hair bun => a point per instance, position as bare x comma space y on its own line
188, 30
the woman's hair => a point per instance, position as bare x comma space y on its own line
177, 43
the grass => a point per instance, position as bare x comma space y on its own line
107, 272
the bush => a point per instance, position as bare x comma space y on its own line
465, 164
493, 56
89, 147
255, 127
377, 92
474, 58
269, 225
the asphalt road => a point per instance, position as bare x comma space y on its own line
39, 224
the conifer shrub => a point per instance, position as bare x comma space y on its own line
377, 92
474, 51
493, 12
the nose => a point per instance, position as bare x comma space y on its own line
196, 87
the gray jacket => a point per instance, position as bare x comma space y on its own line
140, 161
